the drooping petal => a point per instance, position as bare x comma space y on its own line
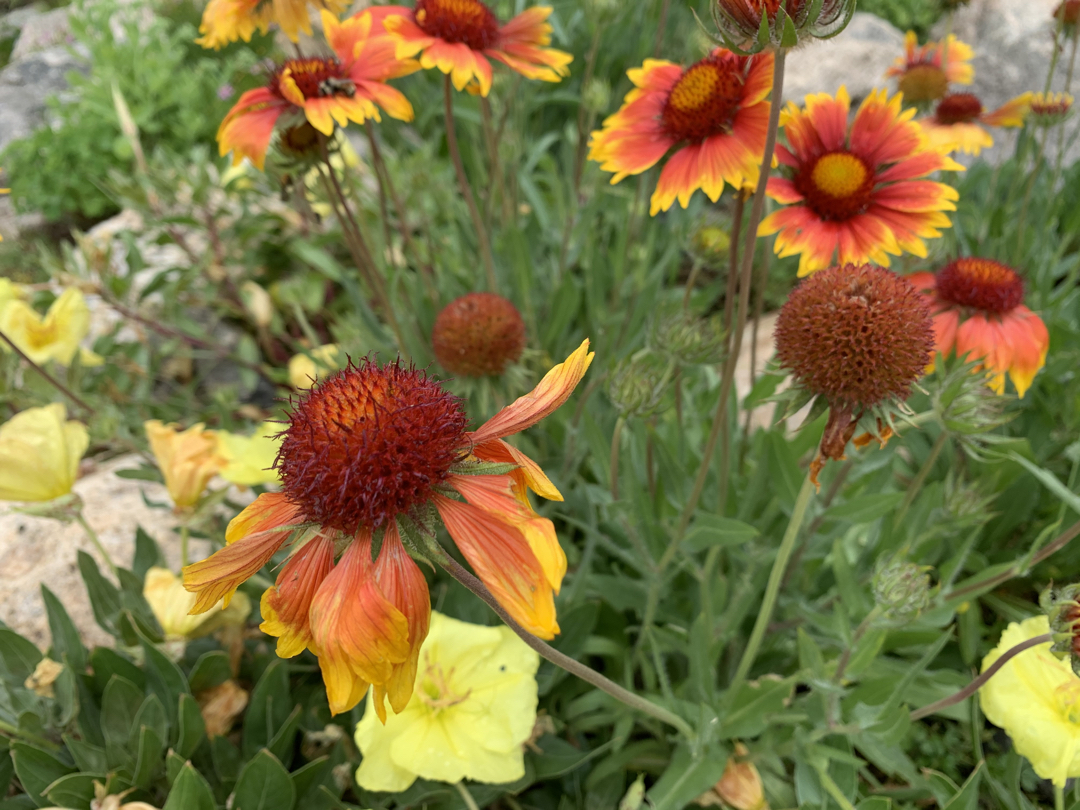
528, 473
543, 400
248, 127
285, 606
219, 575
1030, 341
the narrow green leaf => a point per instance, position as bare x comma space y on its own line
270, 706
106, 663
87, 757
104, 596
147, 553
282, 743
190, 791
712, 530
967, 798
191, 729
74, 791
66, 641
37, 769
212, 669
264, 784
865, 508
19, 657
686, 778
119, 705
150, 748
753, 705
163, 677
307, 778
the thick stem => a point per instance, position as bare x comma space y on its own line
733, 269
587, 674
55, 383
17, 733
616, 436
986, 675
772, 588
81, 520
466, 189
759, 308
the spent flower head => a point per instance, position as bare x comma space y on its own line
749, 26
478, 335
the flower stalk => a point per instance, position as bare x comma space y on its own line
93, 535
49, 378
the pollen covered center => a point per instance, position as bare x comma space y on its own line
958, 108
983, 284
314, 78
434, 690
704, 100
837, 185
369, 444
922, 83
467, 21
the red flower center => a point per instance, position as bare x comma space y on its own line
921, 83
958, 108
315, 77
837, 185
468, 21
1068, 12
478, 335
706, 97
981, 284
368, 444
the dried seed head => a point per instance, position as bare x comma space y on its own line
478, 335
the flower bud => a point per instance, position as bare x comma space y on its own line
711, 243
688, 340
1062, 607
749, 26
901, 589
636, 385
597, 95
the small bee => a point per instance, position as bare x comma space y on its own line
337, 87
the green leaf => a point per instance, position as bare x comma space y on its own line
119, 705
174, 763
191, 729
270, 707
190, 791
147, 553
152, 715
74, 791
37, 769
865, 508
282, 743
163, 677
87, 757
264, 784
66, 641
967, 798
307, 778
712, 530
19, 657
150, 748
755, 702
104, 596
212, 669
226, 759
106, 663
1050, 481
7, 767
866, 651
686, 778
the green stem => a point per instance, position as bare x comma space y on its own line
185, 535
978, 682
1053, 60
81, 520
772, 589
466, 797
615, 437
55, 383
582, 671
921, 476
17, 732
1059, 797
832, 788
466, 189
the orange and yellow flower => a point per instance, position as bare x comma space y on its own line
855, 193
713, 115
350, 86
459, 36
369, 455
226, 21
925, 72
959, 119
979, 312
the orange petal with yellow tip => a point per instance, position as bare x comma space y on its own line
501, 557
219, 575
542, 401
528, 473
286, 605
270, 510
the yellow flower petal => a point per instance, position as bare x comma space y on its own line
39, 454
250, 459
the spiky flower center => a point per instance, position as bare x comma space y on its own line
836, 185
706, 97
958, 108
315, 77
467, 21
983, 284
923, 83
478, 335
368, 444
857, 335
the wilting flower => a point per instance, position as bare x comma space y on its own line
741, 26
478, 335
41, 680
39, 454
187, 458
350, 86
226, 21
855, 194
56, 336
171, 605
370, 454
979, 311
959, 119
858, 337
739, 787
713, 115
1050, 109
459, 36
103, 800
474, 709
925, 72
250, 459
306, 369
1034, 697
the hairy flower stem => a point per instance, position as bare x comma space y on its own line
86, 527
616, 437
772, 589
920, 477
498, 179
466, 189
49, 378
545, 650
978, 682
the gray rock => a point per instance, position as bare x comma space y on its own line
41, 31
25, 85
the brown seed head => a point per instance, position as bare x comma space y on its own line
478, 335
855, 334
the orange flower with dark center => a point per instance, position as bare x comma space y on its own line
979, 312
364, 451
226, 21
855, 192
350, 86
957, 122
713, 115
1050, 109
459, 37
478, 335
858, 336
925, 72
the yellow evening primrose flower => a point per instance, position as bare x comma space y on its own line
305, 369
251, 458
39, 454
171, 603
10, 291
1035, 697
187, 458
56, 336
473, 708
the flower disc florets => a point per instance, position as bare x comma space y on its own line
478, 335
958, 108
314, 77
982, 284
705, 99
856, 335
368, 444
467, 21
1050, 109
923, 83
